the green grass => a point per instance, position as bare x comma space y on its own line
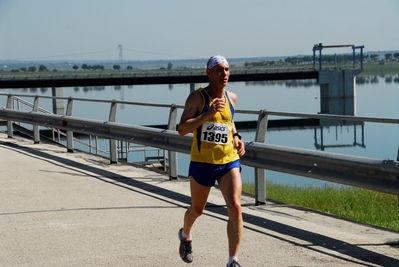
361, 205
376, 68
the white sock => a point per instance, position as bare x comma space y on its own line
231, 259
186, 236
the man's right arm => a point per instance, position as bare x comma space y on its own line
189, 121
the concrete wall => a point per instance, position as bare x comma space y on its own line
58, 104
337, 83
338, 91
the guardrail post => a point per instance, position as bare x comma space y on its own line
112, 143
36, 133
69, 134
260, 176
397, 159
172, 155
10, 128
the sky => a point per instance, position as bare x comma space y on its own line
191, 29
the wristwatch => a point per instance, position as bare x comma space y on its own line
238, 135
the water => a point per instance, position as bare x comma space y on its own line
374, 98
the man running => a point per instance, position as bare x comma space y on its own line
215, 156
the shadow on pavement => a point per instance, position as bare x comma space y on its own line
313, 240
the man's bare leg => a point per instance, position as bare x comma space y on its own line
231, 186
199, 197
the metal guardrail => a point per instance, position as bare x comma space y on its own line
375, 174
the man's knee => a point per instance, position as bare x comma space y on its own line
235, 210
196, 212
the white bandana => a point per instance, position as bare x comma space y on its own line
216, 60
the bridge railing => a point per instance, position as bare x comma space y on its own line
375, 174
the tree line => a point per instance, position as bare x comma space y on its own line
43, 68
287, 61
325, 58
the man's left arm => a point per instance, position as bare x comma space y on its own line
238, 144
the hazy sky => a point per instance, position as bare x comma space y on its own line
191, 29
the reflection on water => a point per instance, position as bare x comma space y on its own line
288, 83
389, 78
360, 79
356, 129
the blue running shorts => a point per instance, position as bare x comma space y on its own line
207, 174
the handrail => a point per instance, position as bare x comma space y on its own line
238, 111
375, 174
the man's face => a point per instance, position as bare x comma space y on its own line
219, 75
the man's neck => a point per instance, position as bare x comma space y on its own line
215, 92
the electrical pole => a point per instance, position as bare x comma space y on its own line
120, 56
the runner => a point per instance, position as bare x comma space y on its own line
215, 156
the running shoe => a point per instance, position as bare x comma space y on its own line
185, 249
233, 264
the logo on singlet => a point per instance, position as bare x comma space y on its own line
216, 128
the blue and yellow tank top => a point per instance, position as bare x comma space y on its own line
213, 141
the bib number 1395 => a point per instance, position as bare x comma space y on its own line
216, 133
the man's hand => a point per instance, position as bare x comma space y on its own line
240, 146
218, 104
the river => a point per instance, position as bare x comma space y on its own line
376, 96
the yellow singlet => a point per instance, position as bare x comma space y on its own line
213, 141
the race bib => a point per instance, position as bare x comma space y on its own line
216, 133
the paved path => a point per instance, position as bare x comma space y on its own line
74, 209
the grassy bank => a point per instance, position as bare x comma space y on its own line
373, 68
351, 203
